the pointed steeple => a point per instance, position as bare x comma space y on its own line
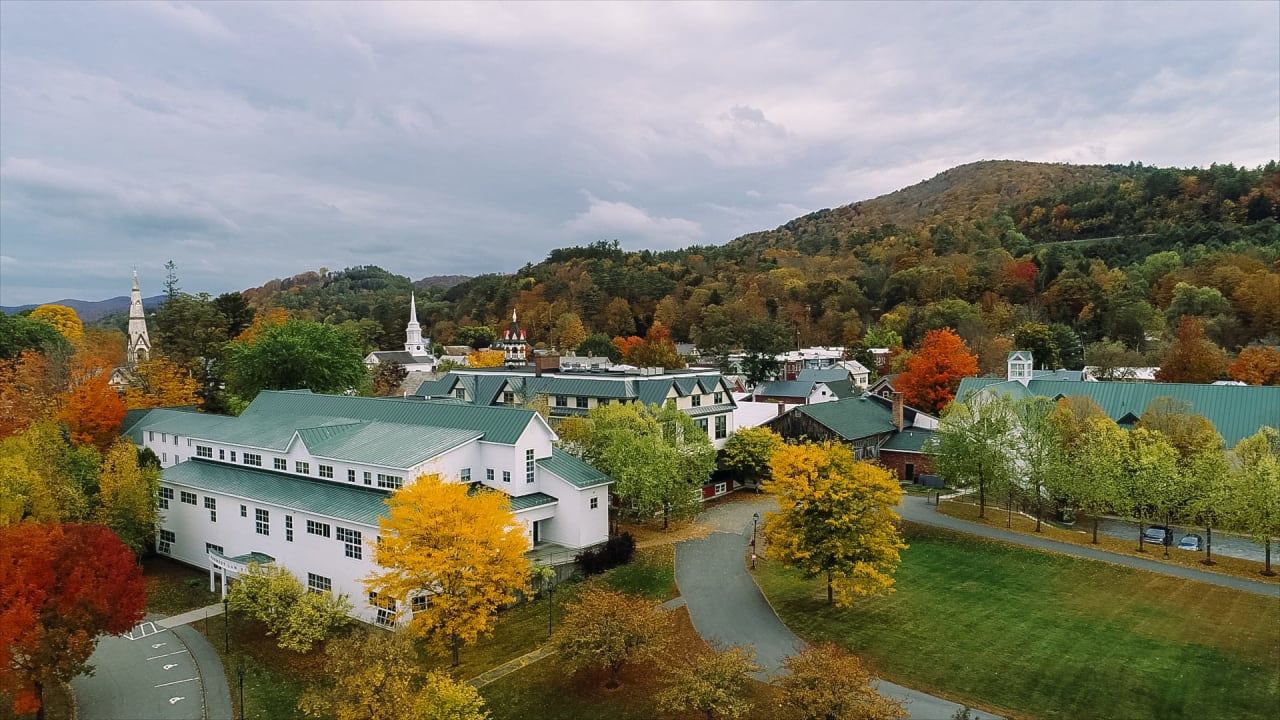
413, 331
138, 348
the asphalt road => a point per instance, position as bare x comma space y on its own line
154, 673
727, 607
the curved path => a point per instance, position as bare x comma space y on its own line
920, 510
154, 672
727, 607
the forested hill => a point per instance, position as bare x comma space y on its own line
1051, 257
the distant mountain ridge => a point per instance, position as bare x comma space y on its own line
93, 310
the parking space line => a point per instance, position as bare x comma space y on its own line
176, 682
157, 657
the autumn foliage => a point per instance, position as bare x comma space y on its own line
934, 372
61, 587
486, 358
62, 318
1256, 366
1193, 358
158, 382
91, 409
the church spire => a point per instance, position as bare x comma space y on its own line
138, 348
413, 331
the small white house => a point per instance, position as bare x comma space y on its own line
300, 480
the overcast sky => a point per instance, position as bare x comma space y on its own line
250, 141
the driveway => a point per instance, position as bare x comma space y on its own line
154, 673
727, 607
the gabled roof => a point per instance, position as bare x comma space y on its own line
387, 444
1237, 412
402, 357
498, 424
824, 375
909, 440
328, 499
573, 471
843, 389
850, 419
784, 388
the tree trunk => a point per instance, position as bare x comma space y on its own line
831, 598
456, 645
666, 512
613, 676
1008, 521
1095, 529
1208, 544
1141, 548
982, 496
39, 688
1168, 535
1038, 510
1267, 568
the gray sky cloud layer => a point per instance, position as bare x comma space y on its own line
247, 141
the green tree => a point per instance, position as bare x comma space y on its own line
599, 345
749, 450
825, 682
298, 354
1254, 486
21, 332
968, 447
296, 617
712, 682
607, 629
460, 555
1148, 484
1038, 338
1035, 449
835, 519
477, 336
1091, 482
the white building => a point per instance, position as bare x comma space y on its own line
416, 355
301, 479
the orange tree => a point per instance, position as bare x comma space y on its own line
1192, 358
1256, 366
91, 409
61, 587
934, 372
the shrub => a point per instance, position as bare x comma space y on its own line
617, 551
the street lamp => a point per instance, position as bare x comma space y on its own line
755, 519
240, 675
226, 624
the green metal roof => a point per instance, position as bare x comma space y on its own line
785, 388
843, 388
499, 424
532, 500
253, 557
703, 410
591, 387
1237, 411
328, 499
179, 422
910, 440
572, 470
387, 444
851, 419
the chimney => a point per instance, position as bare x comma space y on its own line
897, 411
782, 409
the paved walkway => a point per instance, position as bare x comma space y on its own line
921, 510
187, 618
727, 607
160, 670
511, 666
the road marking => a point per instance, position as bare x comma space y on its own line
176, 652
175, 682
170, 667
174, 700
158, 645
142, 631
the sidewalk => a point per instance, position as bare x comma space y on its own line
191, 616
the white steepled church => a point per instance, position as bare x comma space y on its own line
137, 342
416, 355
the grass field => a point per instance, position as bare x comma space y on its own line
1043, 635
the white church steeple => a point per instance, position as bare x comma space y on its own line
413, 331
139, 343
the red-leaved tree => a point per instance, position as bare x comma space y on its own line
1192, 358
934, 372
61, 587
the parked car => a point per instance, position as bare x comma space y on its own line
1157, 534
1191, 542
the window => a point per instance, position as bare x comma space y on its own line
244, 512
302, 468
386, 608
460, 393
175, 439
167, 539
317, 528
721, 488
465, 475
233, 456
488, 474
351, 540
722, 425
222, 454
288, 528
164, 457
187, 497
392, 482
204, 451
562, 401
262, 521
188, 442
211, 505
719, 398
506, 476
151, 435
211, 548
580, 402
697, 400
595, 503
702, 423
418, 603
164, 437
166, 494
508, 397
368, 478
326, 471
281, 464
351, 475
252, 459
528, 466
319, 583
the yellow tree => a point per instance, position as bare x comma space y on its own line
835, 519
158, 382
127, 496
62, 318
486, 358
453, 556
608, 628
713, 682
825, 681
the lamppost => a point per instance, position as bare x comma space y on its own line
226, 624
755, 519
240, 675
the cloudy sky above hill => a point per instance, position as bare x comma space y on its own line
249, 141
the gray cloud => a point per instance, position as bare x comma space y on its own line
248, 141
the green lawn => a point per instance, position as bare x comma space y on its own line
1051, 636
